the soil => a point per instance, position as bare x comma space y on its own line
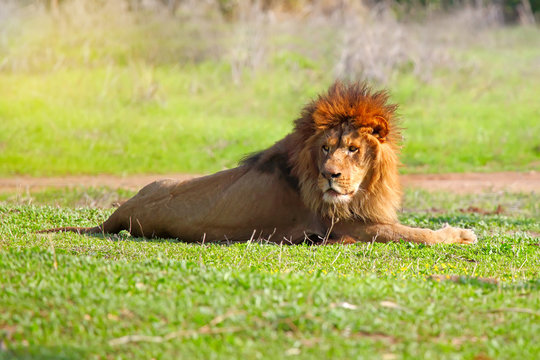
461, 183
470, 183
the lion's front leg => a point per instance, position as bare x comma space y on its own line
396, 232
452, 235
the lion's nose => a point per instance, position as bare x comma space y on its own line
331, 175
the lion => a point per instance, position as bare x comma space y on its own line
333, 179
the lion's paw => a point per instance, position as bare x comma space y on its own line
452, 235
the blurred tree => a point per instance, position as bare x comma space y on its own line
512, 9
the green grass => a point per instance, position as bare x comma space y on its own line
131, 106
205, 131
70, 296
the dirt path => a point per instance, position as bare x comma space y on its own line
476, 182
459, 183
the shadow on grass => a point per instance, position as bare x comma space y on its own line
43, 352
312, 240
487, 283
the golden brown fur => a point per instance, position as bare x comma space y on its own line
333, 179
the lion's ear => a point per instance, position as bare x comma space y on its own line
380, 128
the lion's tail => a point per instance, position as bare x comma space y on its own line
111, 226
78, 230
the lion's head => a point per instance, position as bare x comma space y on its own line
345, 154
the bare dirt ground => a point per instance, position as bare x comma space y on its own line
459, 183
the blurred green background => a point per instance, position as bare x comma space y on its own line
127, 87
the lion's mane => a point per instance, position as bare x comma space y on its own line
379, 197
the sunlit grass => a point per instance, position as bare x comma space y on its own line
125, 96
71, 296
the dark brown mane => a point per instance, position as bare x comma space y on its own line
272, 161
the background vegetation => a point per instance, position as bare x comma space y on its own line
138, 90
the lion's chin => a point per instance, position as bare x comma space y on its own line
334, 197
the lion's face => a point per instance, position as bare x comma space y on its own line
344, 159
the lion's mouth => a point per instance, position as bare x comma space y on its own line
332, 195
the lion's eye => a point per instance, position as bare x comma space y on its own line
325, 148
353, 148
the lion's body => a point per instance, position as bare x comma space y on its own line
213, 208
334, 178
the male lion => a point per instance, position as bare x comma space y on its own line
334, 179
